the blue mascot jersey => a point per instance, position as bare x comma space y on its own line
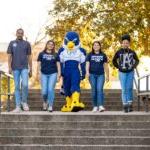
75, 57
72, 59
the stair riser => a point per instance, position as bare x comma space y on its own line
76, 125
73, 148
37, 95
40, 132
75, 140
75, 117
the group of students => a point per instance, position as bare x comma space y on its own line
49, 69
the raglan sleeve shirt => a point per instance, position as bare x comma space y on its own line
136, 59
115, 60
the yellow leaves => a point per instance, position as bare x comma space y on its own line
4, 87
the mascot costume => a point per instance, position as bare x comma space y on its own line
72, 59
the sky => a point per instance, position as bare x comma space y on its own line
30, 15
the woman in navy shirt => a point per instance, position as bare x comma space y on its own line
96, 67
50, 73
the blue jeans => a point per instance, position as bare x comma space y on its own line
97, 84
126, 80
48, 83
21, 75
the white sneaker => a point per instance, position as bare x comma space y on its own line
25, 106
17, 110
44, 106
95, 109
101, 109
50, 109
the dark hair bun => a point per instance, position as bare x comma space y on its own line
126, 37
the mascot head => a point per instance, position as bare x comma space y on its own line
71, 41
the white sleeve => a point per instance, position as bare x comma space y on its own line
61, 57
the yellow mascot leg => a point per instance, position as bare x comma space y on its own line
67, 107
76, 105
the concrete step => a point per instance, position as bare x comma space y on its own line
89, 108
76, 140
74, 117
112, 100
58, 108
37, 105
77, 125
82, 130
73, 132
40, 130
72, 147
61, 103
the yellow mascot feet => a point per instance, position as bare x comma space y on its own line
67, 107
76, 105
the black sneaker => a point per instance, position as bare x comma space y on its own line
130, 108
125, 107
62, 92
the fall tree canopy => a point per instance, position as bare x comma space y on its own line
104, 20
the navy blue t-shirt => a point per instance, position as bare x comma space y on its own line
96, 63
48, 62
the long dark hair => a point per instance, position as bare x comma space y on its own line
98, 42
50, 41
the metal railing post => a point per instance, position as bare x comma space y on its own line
8, 97
0, 93
147, 97
139, 98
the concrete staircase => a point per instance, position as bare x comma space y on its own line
112, 100
110, 130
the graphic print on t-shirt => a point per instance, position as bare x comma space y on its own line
14, 44
48, 57
127, 60
97, 58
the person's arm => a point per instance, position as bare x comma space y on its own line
136, 60
115, 60
83, 63
38, 70
106, 69
9, 63
87, 69
59, 71
83, 70
30, 65
88, 59
29, 54
59, 59
9, 52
